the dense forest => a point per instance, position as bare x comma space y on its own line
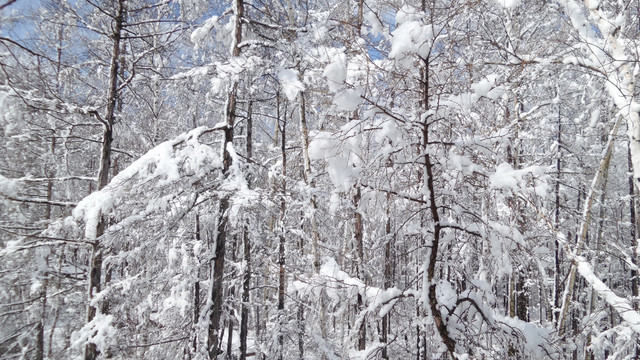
319, 179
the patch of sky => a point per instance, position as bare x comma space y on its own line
14, 18
377, 38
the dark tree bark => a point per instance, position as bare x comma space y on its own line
441, 326
635, 227
246, 276
358, 237
282, 237
386, 319
91, 351
217, 275
557, 298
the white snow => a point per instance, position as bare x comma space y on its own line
336, 71
348, 99
338, 156
159, 163
488, 88
8, 187
592, 4
509, 4
413, 36
339, 283
537, 337
376, 26
98, 331
621, 305
368, 353
507, 178
290, 83
200, 33
323, 145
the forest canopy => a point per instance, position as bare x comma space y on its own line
299, 179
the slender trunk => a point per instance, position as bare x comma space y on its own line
359, 20
112, 98
301, 305
635, 222
50, 174
634, 230
301, 331
196, 296
282, 240
441, 327
522, 301
304, 134
386, 319
39, 351
512, 296
598, 178
433, 257
232, 293
196, 314
246, 285
313, 202
91, 350
558, 276
246, 276
358, 237
291, 14
237, 38
217, 276
302, 115
56, 315
221, 237
420, 149
594, 262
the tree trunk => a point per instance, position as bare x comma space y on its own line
386, 319
594, 262
441, 327
196, 296
635, 222
598, 178
558, 277
358, 238
301, 329
91, 351
313, 202
359, 19
433, 257
246, 276
217, 275
282, 238
232, 292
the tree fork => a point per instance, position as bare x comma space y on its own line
437, 227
